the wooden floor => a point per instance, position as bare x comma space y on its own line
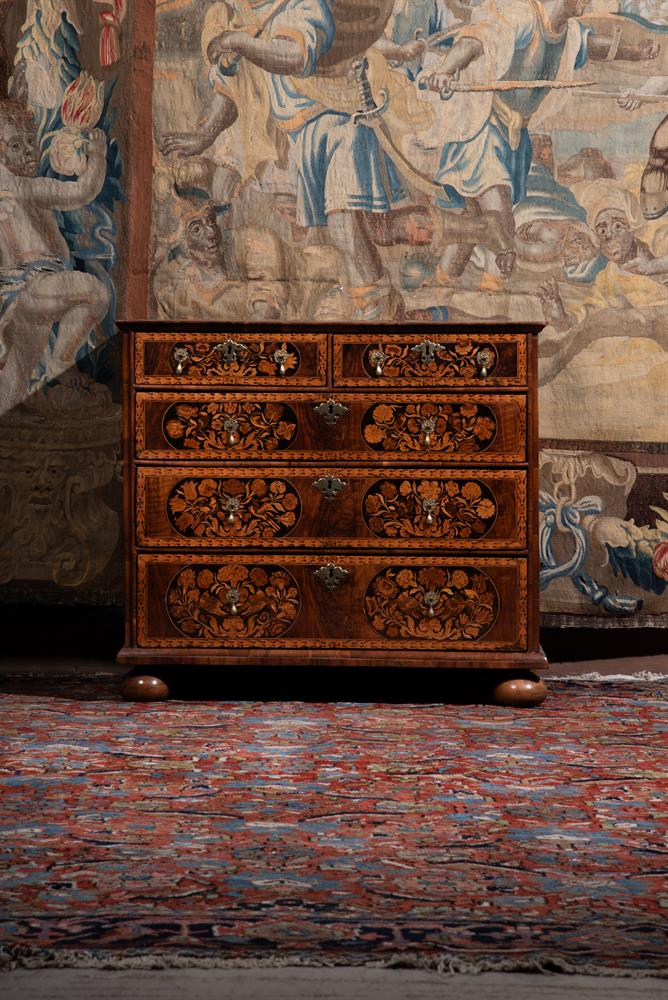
318, 984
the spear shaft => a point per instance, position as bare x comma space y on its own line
494, 86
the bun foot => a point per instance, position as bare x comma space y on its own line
144, 687
520, 692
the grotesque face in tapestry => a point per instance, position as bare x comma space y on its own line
19, 152
202, 237
615, 236
577, 247
41, 478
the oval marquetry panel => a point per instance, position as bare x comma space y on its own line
430, 508
221, 602
444, 603
434, 427
227, 508
229, 426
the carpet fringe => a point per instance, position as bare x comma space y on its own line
21, 957
641, 675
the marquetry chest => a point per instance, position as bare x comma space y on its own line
332, 495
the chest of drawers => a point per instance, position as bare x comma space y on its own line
333, 496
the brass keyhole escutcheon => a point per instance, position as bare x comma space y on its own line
330, 411
330, 486
331, 576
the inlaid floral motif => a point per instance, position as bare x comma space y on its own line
437, 427
230, 426
447, 604
228, 601
442, 508
453, 360
239, 360
233, 508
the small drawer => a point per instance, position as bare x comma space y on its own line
208, 359
347, 426
322, 601
471, 360
279, 508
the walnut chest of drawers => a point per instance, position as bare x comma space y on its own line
331, 495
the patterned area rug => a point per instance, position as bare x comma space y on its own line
454, 837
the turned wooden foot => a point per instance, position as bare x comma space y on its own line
520, 692
144, 687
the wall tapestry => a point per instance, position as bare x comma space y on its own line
60, 420
447, 159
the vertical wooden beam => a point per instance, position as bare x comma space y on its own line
134, 290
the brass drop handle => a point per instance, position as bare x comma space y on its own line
330, 411
431, 599
232, 506
280, 357
485, 359
428, 427
378, 357
181, 357
232, 597
231, 426
428, 506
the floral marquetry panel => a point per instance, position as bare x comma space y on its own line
235, 359
267, 506
341, 425
222, 602
241, 426
448, 604
444, 359
445, 508
444, 427
244, 509
332, 600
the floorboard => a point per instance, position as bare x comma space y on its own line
318, 984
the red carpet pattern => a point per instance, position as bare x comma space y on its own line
339, 832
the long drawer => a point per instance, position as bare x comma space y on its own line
209, 359
459, 427
331, 601
396, 359
197, 507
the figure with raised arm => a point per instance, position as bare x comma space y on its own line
314, 78
486, 154
38, 284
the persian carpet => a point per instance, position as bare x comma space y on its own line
455, 837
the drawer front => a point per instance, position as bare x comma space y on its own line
322, 601
198, 507
353, 427
447, 360
173, 359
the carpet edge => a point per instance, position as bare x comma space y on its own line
18, 957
